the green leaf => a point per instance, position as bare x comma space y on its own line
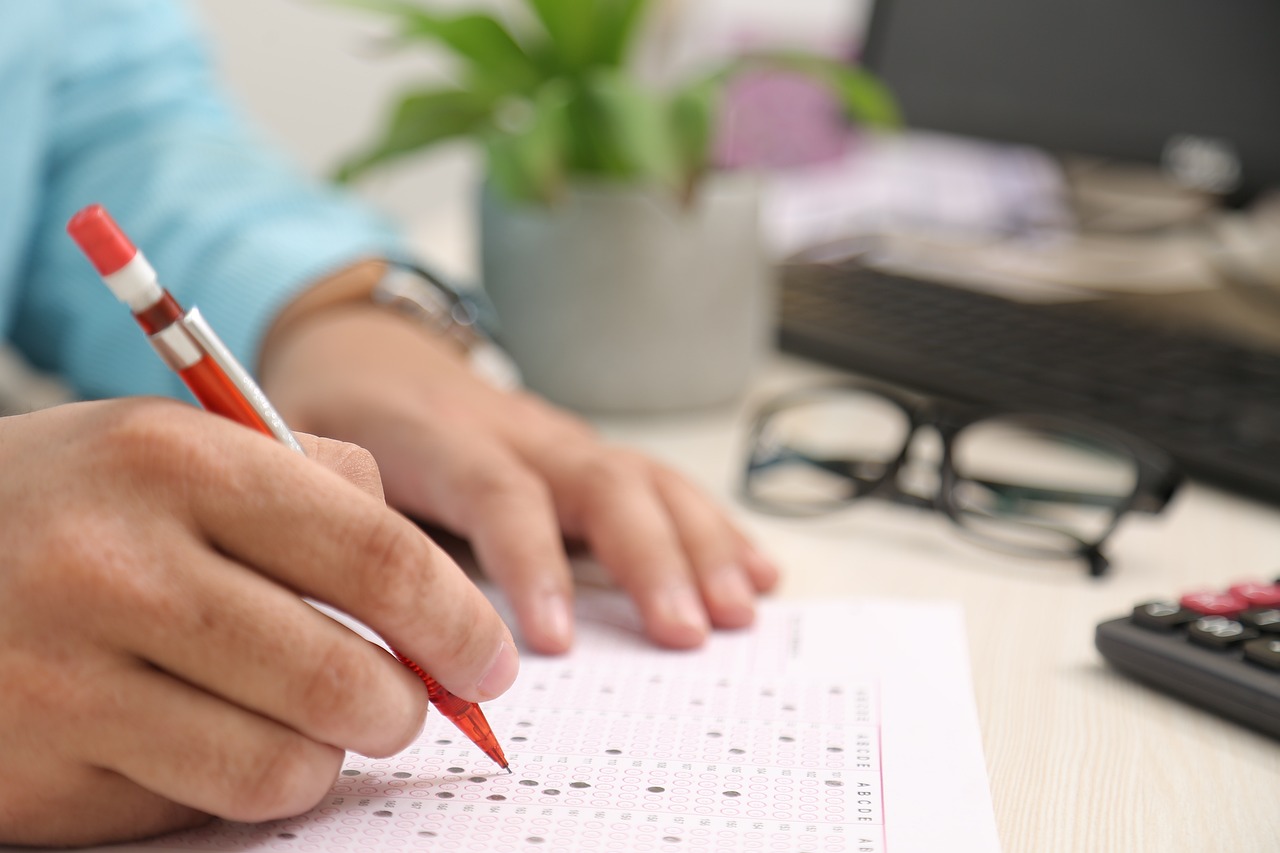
693, 112
569, 23
422, 119
617, 23
589, 33
622, 131
492, 54
527, 162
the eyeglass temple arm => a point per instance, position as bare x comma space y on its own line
1013, 491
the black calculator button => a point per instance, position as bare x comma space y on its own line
1264, 619
1264, 651
1219, 632
1163, 615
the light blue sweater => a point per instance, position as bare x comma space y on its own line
112, 101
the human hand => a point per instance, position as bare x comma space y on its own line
158, 665
515, 476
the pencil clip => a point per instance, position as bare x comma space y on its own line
194, 322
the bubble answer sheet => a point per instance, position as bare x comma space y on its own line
829, 726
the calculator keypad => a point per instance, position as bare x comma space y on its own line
1215, 648
1225, 620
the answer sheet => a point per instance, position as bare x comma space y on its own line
831, 726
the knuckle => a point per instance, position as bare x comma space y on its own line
90, 563
618, 469
284, 780
47, 700
669, 478
159, 437
323, 696
398, 735
504, 484
393, 557
551, 422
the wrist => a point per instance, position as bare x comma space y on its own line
420, 296
350, 286
409, 292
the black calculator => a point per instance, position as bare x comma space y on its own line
1216, 648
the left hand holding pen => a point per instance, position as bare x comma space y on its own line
515, 477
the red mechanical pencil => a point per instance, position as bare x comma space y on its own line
190, 347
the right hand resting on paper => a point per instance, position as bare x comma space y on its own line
157, 664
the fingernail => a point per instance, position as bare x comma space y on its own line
728, 587
764, 569
501, 672
557, 621
683, 606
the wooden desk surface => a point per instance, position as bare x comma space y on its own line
1081, 759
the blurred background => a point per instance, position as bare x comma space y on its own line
307, 74
1083, 215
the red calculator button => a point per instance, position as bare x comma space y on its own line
1214, 603
1258, 594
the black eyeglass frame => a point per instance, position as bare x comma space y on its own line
1156, 477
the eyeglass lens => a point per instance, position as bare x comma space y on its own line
1035, 488
1019, 485
823, 451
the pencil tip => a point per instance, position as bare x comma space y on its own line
507, 767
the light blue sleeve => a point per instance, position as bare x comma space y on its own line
140, 127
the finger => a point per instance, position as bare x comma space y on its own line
257, 645
763, 571
708, 532
321, 536
108, 808
715, 551
187, 746
349, 461
632, 534
485, 494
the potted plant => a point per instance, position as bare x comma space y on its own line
627, 273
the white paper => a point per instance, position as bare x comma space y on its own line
831, 726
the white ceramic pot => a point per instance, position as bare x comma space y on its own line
620, 299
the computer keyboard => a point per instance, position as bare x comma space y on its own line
1213, 405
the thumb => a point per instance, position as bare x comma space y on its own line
350, 461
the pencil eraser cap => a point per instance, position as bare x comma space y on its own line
101, 239
117, 260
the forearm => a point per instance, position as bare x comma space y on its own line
140, 126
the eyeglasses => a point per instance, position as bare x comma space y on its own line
1029, 484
